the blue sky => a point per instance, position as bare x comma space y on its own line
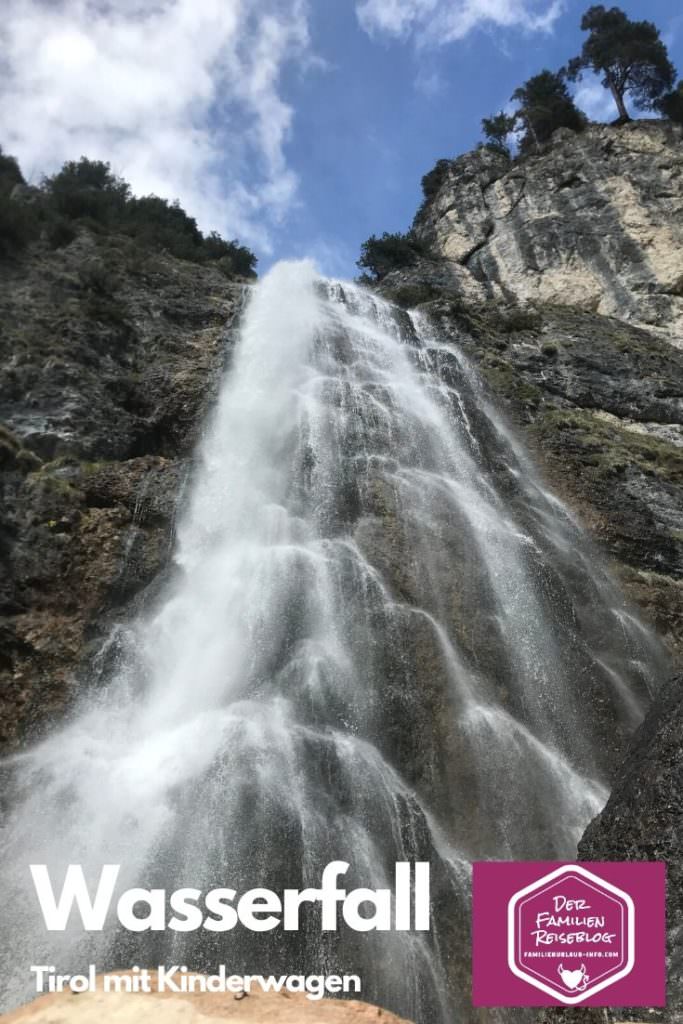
299, 126
367, 129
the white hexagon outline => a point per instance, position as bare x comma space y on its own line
540, 889
592, 989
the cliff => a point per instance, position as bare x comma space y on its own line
593, 222
108, 355
561, 277
573, 318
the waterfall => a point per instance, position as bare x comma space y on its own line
384, 639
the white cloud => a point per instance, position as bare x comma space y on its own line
595, 101
429, 82
435, 22
181, 96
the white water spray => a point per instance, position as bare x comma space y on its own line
385, 640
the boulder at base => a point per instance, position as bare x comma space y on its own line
195, 1008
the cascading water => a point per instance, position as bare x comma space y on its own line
385, 641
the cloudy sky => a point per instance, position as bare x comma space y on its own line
300, 126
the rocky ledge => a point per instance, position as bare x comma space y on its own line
196, 1008
592, 222
108, 357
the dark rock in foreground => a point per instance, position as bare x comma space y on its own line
643, 819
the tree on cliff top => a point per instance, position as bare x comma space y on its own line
497, 130
87, 188
630, 56
671, 105
544, 106
391, 251
87, 193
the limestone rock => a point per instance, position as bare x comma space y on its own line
593, 222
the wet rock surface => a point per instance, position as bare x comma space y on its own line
566, 295
600, 403
109, 358
643, 819
595, 381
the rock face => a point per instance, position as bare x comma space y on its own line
536, 271
108, 356
643, 819
560, 277
600, 404
593, 222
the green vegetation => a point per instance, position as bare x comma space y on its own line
390, 252
87, 188
497, 130
86, 193
10, 174
607, 446
18, 222
18, 226
632, 60
544, 106
629, 55
434, 179
671, 105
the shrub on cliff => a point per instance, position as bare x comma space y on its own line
434, 179
497, 130
87, 188
18, 222
10, 174
86, 193
544, 106
431, 183
232, 256
630, 56
671, 105
162, 225
18, 226
391, 251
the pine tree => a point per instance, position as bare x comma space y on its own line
497, 129
544, 106
629, 55
671, 105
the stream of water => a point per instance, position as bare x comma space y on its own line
384, 640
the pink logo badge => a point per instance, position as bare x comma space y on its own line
566, 934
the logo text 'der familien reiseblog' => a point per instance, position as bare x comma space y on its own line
569, 934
